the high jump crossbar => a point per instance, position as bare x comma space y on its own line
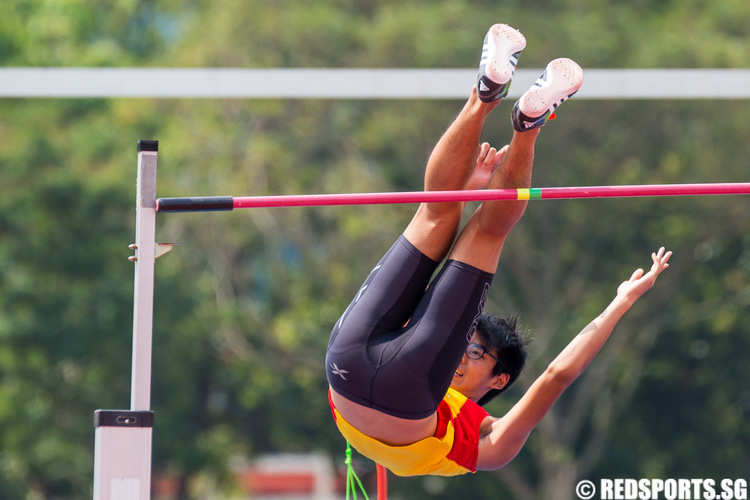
227, 203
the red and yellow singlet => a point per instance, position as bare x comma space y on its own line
451, 451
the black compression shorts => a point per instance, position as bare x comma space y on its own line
398, 344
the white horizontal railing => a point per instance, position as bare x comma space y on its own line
299, 83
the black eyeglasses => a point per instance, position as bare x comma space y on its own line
476, 351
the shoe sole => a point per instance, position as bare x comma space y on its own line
503, 42
561, 79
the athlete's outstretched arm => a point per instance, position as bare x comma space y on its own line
508, 434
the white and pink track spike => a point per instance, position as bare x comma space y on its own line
561, 79
500, 52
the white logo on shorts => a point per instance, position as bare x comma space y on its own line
337, 371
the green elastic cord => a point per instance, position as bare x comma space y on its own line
351, 477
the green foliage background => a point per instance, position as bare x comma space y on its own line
244, 305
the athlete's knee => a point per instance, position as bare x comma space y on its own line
439, 214
499, 218
432, 230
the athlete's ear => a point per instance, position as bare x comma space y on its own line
499, 381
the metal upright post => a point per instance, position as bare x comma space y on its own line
145, 256
122, 452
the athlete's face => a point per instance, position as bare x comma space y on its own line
473, 377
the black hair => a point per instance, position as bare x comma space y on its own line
504, 337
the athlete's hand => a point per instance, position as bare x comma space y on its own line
639, 282
487, 161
